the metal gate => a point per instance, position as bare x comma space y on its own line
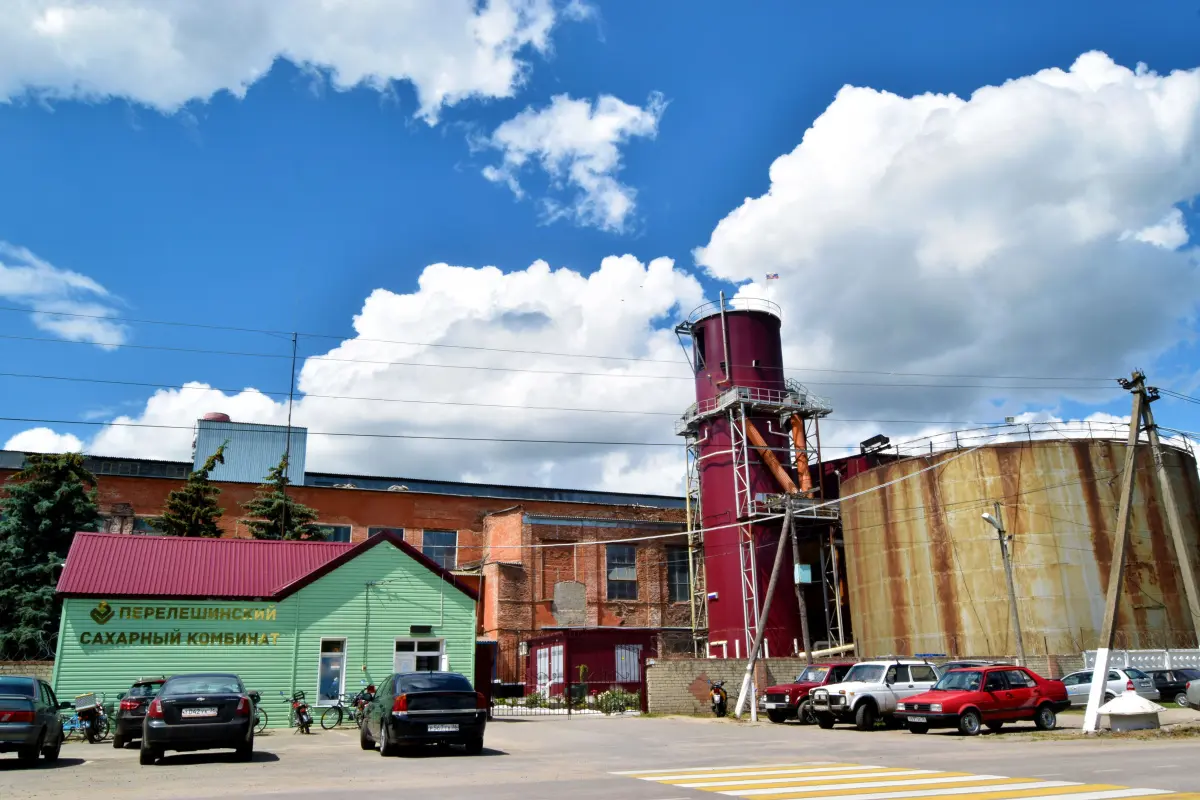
560, 685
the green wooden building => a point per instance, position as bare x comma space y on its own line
325, 618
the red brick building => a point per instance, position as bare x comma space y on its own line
535, 555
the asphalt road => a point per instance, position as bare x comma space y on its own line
559, 757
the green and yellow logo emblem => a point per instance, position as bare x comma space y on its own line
102, 613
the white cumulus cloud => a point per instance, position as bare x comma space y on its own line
165, 53
43, 440
984, 235
577, 144
623, 309
49, 292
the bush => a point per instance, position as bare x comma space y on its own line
617, 701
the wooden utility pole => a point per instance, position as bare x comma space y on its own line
1116, 571
1012, 590
1141, 417
805, 640
1183, 553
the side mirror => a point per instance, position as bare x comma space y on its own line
64, 705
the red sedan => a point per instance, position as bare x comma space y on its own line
971, 699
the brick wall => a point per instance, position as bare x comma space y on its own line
38, 669
680, 686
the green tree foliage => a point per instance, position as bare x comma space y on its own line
41, 509
276, 515
193, 509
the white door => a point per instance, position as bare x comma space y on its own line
628, 663
543, 669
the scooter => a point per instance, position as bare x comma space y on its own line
300, 712
720, 700
92, 718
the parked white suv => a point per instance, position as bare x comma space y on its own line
1120, 680
871, 691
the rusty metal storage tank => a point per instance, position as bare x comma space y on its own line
740, 385
925, 573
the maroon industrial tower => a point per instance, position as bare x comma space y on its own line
753, 440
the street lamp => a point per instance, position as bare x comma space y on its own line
995, 522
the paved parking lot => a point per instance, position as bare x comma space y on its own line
592, 758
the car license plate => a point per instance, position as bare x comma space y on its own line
443, 729
917, 719
198, 712
774, 705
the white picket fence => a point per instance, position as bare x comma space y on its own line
1147, 659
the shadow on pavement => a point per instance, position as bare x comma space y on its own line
181, 759
7, 764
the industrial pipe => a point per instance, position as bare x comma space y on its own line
770, 459
801, 444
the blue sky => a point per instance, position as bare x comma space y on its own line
286, 208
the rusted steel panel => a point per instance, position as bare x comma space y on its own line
924, 569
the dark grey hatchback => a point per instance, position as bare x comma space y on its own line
203, 711
424, 708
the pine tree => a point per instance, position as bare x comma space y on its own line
42, 508
193, 510
276, 515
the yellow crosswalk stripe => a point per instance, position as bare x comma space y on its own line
841, 781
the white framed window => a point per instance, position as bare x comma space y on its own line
331, 671
335, 533
420, 655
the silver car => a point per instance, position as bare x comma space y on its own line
1193, 693
1079, 684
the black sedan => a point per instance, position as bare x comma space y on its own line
424, 708
132, 711
1172, 683
204, 711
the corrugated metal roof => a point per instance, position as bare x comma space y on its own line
118, 565
171, 566
252, 450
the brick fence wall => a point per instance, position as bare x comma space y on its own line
38, 669
680, 686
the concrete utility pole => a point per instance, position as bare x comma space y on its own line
805, 640
1116, 572
748, 678
997, 522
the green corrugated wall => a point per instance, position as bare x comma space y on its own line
370, 602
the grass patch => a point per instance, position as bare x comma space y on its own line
1161, 734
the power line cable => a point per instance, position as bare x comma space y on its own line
310, 335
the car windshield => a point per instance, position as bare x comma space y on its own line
21, 686
203, 684
434, 682
962, 681
813, 675
1136, 674
144, 690
867, 673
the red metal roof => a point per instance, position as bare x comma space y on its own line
133, 566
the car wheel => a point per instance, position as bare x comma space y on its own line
825, 721
968, 723
778, 717
50, 752
148, 755
29, 755
995, 727
864, 717
1109, 697
918, 727
386, 748
245, 750
475, 746
118, 741
1181, 700
364, 737
806, 714
1045, 719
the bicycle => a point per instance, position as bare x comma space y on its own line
260, 713
347, 706
71, 726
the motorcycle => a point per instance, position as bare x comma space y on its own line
720, 700
92, 719
301, 716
